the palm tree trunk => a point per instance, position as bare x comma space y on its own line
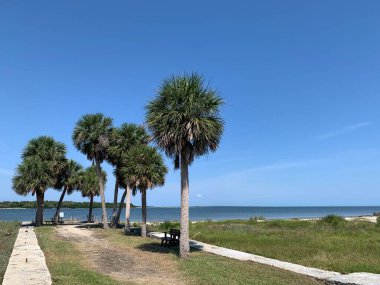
40, 208
116, 218
115, 194
143, 208
89, 218
184, 247
128, 210
101, 192
114, 207
59, 205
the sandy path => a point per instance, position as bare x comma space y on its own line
124, 264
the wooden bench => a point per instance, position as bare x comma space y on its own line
171, 238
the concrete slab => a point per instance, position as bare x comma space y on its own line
27, 263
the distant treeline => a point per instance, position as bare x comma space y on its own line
52, 204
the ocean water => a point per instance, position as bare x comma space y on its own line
159, 214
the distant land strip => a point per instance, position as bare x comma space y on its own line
52, 204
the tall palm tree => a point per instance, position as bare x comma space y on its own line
89, 186
43, 160
70, 181
121, 140
185, 122
145, 169
91, 137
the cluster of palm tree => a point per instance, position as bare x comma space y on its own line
95, 137
183, 121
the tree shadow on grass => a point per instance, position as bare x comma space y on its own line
157, 248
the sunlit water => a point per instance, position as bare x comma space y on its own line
158, 214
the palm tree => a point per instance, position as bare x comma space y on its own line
144, 168
43, 160
121, 140
70, 181
89, 186
128, 191
185, 123
91, 137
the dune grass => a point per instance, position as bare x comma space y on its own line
8, 235
331, 244
66, 264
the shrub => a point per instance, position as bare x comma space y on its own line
256, 218
378, 221
333, 220
167, 225
376, 213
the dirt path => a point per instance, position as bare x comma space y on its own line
126, 264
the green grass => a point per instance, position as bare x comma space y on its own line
203, 268
212, 269
8, 234
331, 244
66, 263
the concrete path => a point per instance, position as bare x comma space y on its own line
360, 278
27, 264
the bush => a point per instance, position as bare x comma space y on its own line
378, 222
376, 213
256, 218
333, 220
167, 225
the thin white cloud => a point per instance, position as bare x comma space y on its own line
283, 165
6, 172
344, 130
227, 160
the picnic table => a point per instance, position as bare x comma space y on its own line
171, 238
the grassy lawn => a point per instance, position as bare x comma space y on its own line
204, 268
66, 264
337, 245
8, 234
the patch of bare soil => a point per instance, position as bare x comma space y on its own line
127, 264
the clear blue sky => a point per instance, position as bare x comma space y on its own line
301, 81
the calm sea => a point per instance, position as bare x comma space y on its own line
159, 214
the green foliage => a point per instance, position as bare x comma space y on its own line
43, 160
52, 204
333, 220
143, 167
257, 218
8, 234
89, 182
71, 176
91, 135
378, 221
167, 225
184, 118
122, 139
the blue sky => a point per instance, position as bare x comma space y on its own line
300, 80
